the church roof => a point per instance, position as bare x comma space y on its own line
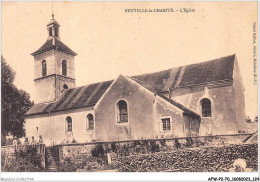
53, 21
88, 96
73, 98
211, 71
155, 80
201, 73
189, 75
54, 44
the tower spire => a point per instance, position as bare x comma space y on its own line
53, 27
52, 10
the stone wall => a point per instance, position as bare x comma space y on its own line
208, 159
11, 149
76, 153
150, 151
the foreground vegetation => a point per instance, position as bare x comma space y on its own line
27, 160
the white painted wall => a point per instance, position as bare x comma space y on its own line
52, 127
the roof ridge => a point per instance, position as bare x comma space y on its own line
134, 79
91, 84
145, 74
201, 62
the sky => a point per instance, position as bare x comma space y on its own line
110, 41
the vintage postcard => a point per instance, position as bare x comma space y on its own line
91, 87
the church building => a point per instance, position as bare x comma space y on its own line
194, 100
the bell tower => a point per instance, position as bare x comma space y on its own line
54, 69
53, 29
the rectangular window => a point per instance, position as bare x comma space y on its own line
206, 107
166, 124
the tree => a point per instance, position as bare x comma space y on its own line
15, 103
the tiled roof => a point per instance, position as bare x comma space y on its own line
215, 70
54, 44
53, 21
73, 98
88, 96
155, 80
201, 73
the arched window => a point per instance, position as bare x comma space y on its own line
44, 68
64, 67
90, 122
122, 115
68, 123
205, 107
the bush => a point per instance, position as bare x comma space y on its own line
177, 144
154, 147
189, 142
163, 142
23, 161
67, 166
98, 151
113, 146
126, 151
5, 141
199, 142
137, 142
